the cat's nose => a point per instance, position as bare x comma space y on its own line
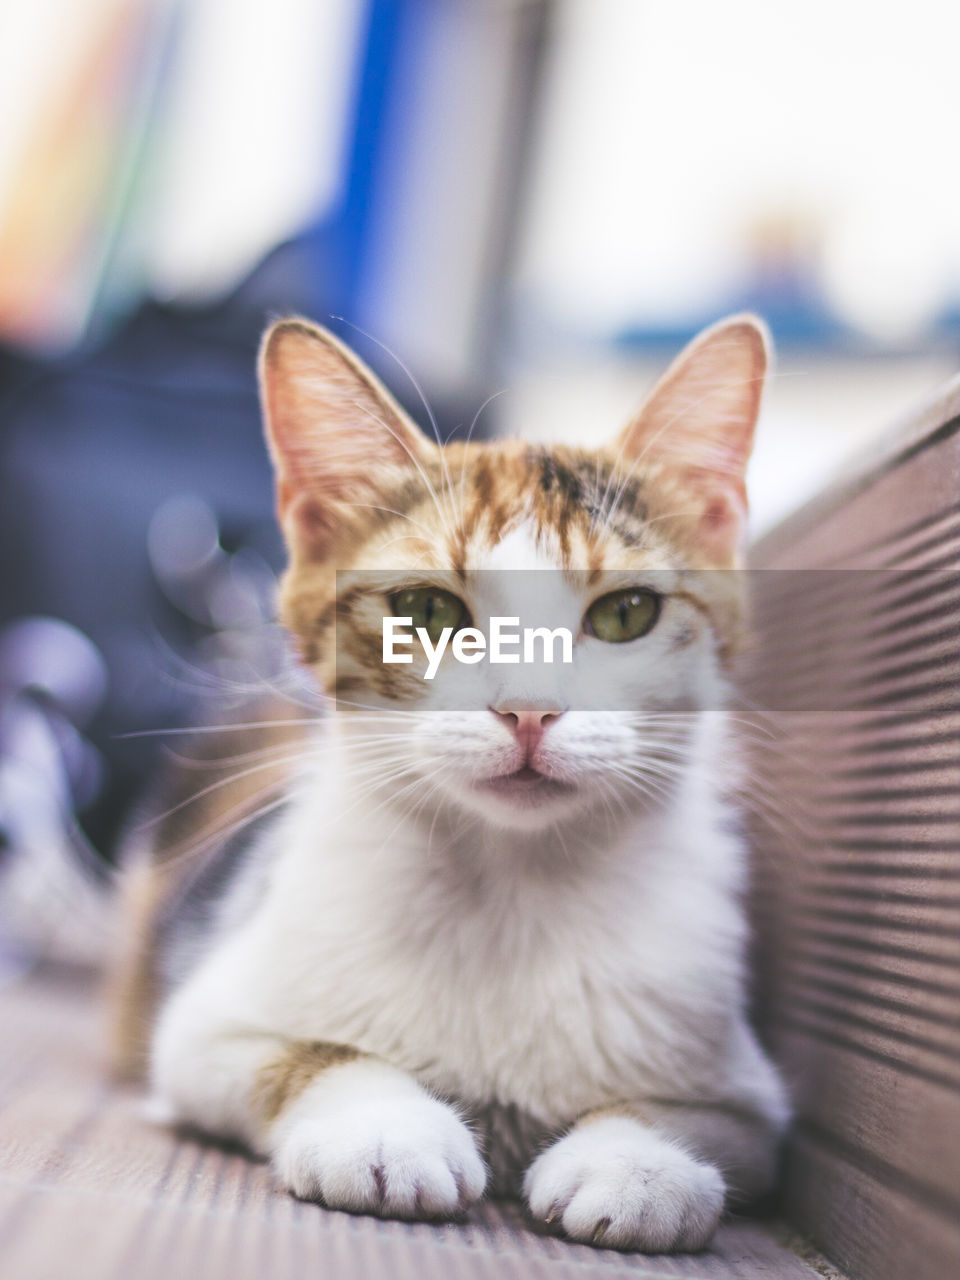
527, 724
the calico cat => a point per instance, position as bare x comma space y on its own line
491, 939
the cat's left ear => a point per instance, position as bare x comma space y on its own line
696, 428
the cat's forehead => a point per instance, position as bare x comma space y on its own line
528, 548
509, 505
521, 548
519, 576
553, 484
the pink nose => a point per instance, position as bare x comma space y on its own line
528, 726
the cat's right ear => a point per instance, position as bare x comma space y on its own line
335, 434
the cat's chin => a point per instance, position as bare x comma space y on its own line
525, 800
526, 786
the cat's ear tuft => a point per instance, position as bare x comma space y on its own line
333, 430
697, 428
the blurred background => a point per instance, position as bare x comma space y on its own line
536, 201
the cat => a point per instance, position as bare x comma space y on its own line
490, 940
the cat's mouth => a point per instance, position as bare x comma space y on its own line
525, 784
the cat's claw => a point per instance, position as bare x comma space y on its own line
409, 1159
615, 1183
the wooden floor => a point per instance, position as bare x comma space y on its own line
90, 1190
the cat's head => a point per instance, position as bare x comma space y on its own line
633, 548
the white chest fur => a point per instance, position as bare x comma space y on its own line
499, 971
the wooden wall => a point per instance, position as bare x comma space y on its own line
855, 691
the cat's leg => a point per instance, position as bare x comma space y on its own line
338, 1125
654, 1176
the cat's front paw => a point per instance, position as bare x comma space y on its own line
614, 1183
398, 1153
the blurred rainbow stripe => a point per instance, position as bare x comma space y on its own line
59, 223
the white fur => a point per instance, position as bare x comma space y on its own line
368, 1138
555, 958
612, 1181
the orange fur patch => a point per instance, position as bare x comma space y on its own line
285, 1078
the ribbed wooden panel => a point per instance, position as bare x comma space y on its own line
857, 831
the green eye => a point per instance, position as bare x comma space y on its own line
430, 608
623, 615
